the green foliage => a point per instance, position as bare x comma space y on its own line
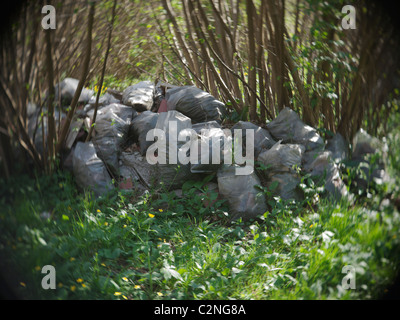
163, 246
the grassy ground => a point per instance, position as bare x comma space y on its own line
159, 246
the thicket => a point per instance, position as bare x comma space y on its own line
256, 56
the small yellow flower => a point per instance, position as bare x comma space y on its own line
161, 210
72, 259
83, 285
60, 285
103, 264
37, 268
98, 210
22, 284
159, 294
124, 297
125, 225
125, 279
151, 215
117, 293
311, 226
106, 224
73, 288
79, 280
137, 286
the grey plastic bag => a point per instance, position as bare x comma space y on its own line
35, 127
104, 100
214, 147
66, 91
244, 199
322, 168
364, 145
285, 185
205, 125
171, 123
339, 148
173, 173
134, 166
288, 127
280, 162
112, 133
195, 103
142, 124
262, 138
282, 157
89, 171
139, 96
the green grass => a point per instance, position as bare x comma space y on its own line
161, 247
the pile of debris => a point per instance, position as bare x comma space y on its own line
118, 153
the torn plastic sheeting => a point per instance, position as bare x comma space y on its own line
288, 127
163, 106
139, 96
244, 199
136, 167
89, 170
195, 103
262, 138
158, 98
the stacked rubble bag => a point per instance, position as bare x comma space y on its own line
121, 137
116, 154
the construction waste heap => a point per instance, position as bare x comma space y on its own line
285, 149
